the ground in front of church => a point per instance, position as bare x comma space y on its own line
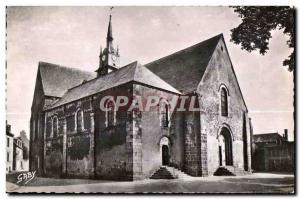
254, 183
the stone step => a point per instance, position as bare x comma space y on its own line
177, 173
162, 173
225, 171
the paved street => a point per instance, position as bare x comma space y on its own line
254, 183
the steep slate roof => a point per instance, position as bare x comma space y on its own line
132, 72
56, 79
184, 69
268, 137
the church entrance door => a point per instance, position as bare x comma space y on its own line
165, 155
225, 148
222, 150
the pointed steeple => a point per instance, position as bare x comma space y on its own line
109, 37
109, 58
109, 31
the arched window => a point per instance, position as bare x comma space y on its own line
224, 102
164, 113
110, 113
79, 120
33, 130
54, 126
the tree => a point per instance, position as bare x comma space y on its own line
254, 32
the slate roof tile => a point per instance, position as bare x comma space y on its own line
179, 72
56, 79
184, 69
133, 72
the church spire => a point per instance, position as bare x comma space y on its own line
109, 57
109, 31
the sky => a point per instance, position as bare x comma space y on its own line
71, 36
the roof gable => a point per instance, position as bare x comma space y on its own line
133, 72
223, 43
184, 69
56, 79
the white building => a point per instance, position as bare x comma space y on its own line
9, 149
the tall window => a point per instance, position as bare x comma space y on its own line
110, 113
224, 102
79, 120
54, 126
164, 114
33, 130
7, 139
37, 129
7, 157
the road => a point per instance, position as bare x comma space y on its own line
254, 183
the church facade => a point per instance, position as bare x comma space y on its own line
72, 137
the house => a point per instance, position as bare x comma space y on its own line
273, 152
77, 129
18, 162
9, 148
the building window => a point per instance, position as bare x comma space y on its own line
37, 129
7, 157
164, 113
110, 113
79, 120
33, 130
7, 139
54, 126
224, 102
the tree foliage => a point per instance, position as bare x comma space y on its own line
254, 32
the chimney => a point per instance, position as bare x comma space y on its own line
286, 134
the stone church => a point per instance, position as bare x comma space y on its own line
71, 137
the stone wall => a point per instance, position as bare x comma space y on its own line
114, 145
219, 71
70, 153
192, 143
96, 150
148, 133
177, 137
36, 155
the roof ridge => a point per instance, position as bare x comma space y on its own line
133, 72
187, 48
105, 76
